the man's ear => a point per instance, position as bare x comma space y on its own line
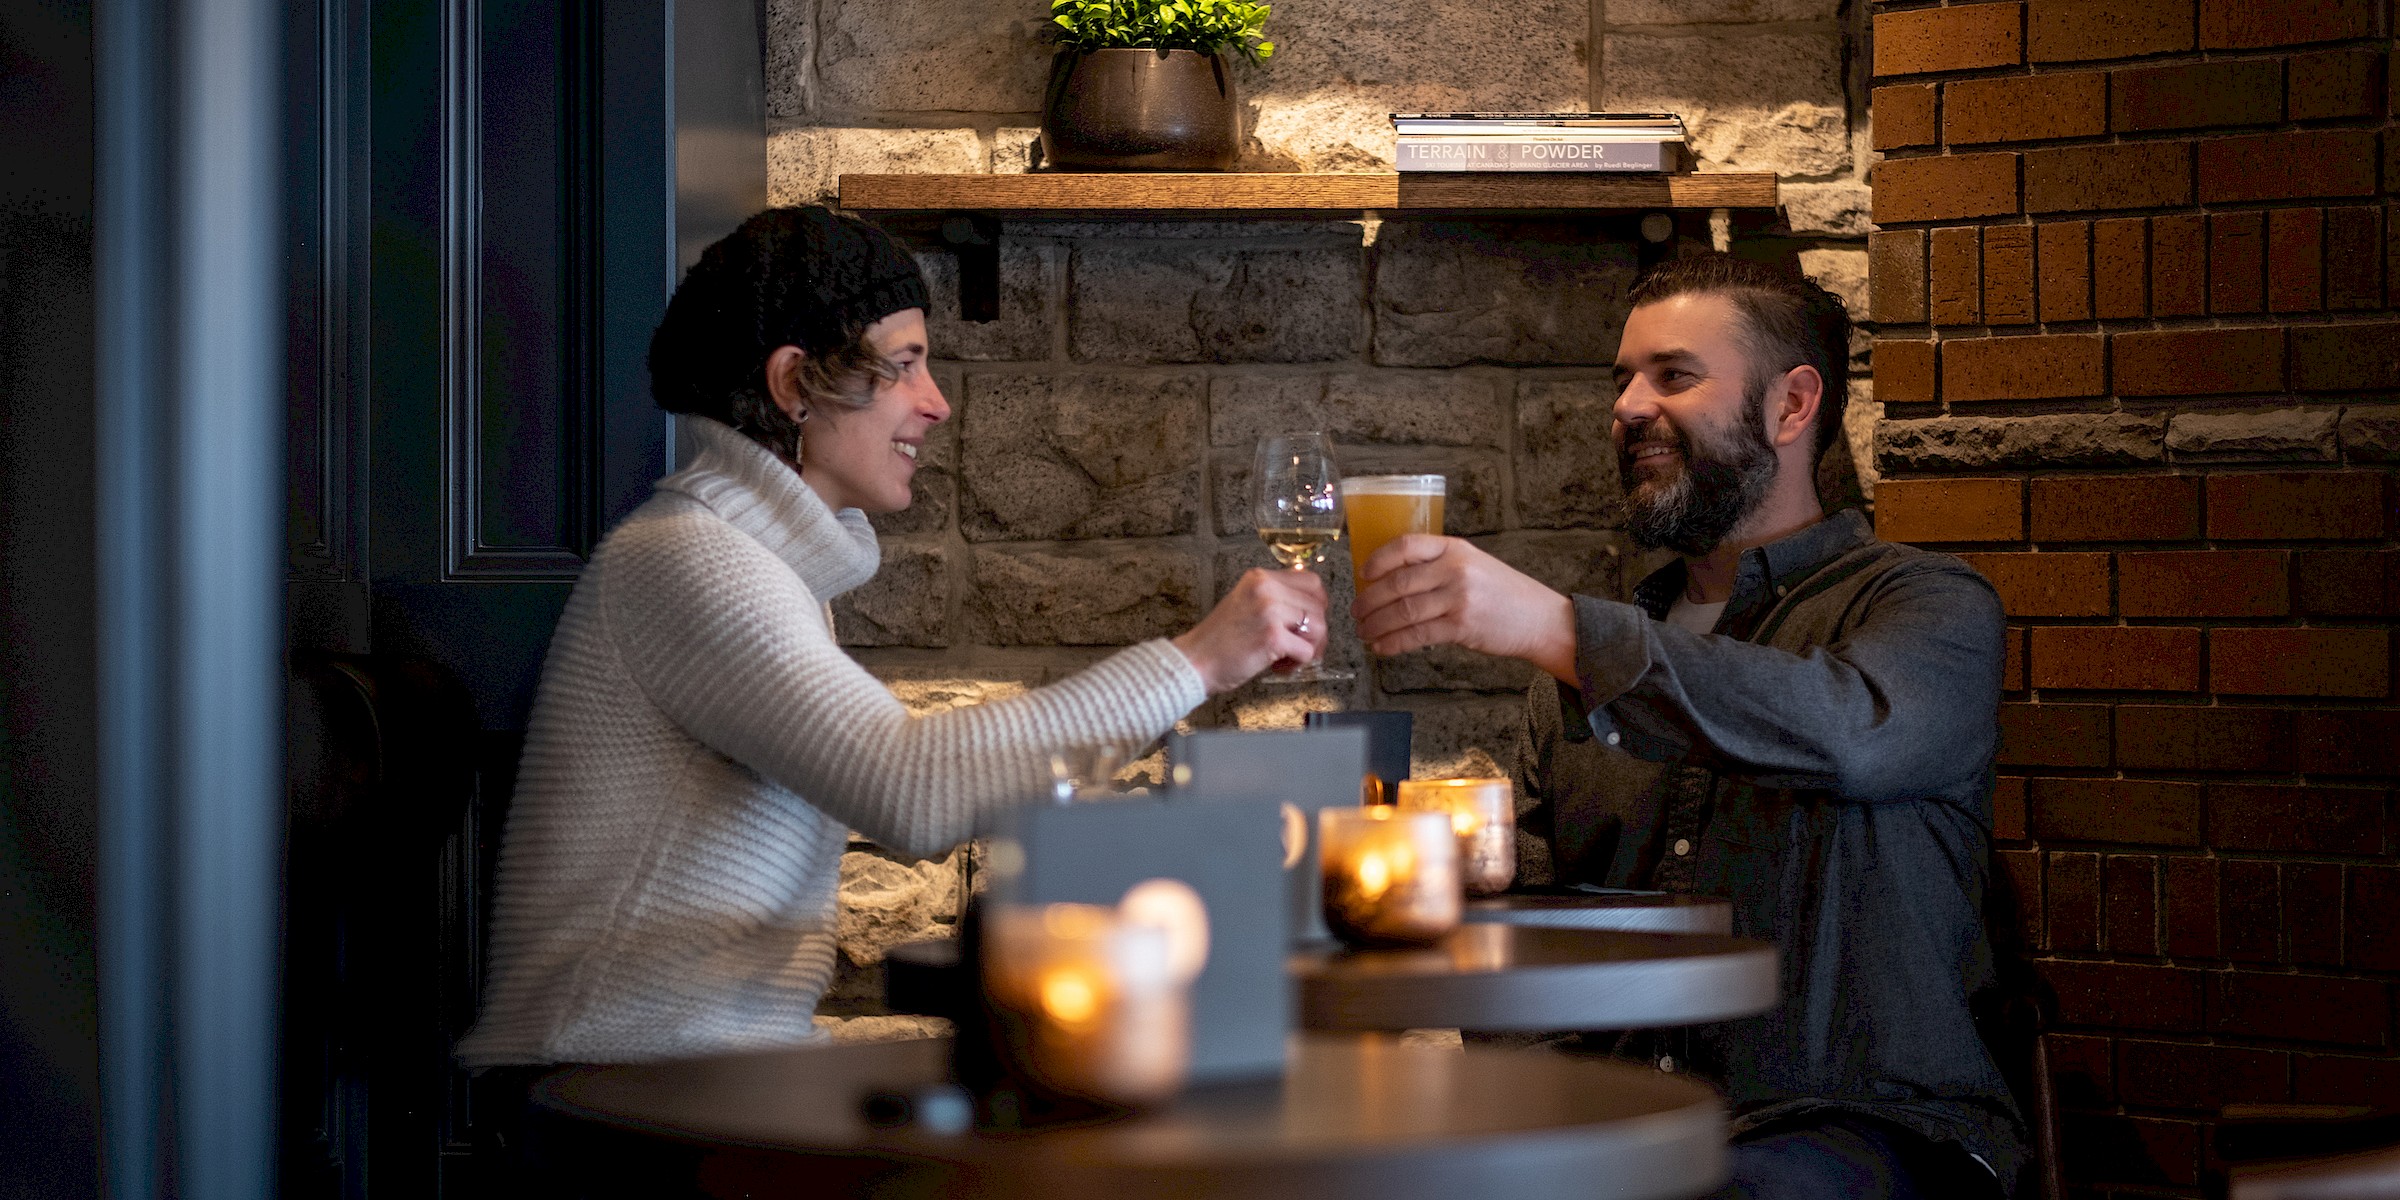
783, 381
1793, 402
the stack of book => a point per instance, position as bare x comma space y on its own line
1485, 141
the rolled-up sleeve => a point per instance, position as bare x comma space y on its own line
1902, 706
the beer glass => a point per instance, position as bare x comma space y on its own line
1383, 507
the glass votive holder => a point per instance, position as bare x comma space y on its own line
1391, 877
1484, 814
1083, 771
1086, 1004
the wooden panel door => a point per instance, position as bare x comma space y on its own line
508, 417
480, 242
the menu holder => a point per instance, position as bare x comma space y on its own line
1302, 771
1389, 736
1226, 847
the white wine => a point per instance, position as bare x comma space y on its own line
1298, 547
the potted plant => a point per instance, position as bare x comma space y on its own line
1143, 85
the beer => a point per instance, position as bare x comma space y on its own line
1382, 507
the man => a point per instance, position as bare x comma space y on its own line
1794, 715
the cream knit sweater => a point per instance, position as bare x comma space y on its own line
699, 749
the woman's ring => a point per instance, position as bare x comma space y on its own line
1302, 627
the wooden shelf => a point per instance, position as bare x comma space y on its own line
1144, 194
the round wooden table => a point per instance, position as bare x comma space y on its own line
1636, 912
1526, 979
1352, 1117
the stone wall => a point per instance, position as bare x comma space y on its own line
1090, 491
2142, 342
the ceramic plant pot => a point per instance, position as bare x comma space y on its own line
1140, 110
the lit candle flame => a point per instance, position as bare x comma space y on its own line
1378, 869
1374, 875
1070, 997
1172, 907
1483, 819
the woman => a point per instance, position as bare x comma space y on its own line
700, 746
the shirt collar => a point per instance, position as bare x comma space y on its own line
1776, 566
762, 496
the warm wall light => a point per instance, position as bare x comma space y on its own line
1483, 812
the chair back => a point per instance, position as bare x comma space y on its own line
2013, 1015
378, 961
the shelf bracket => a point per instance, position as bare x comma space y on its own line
975, 241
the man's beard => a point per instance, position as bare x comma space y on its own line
1714, 488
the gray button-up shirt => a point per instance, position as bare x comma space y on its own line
1823, 760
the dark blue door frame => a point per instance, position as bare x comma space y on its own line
189, 318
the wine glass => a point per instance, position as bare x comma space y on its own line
1297, 504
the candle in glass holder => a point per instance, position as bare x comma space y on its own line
1484, 814
1090, 1005
1390, 876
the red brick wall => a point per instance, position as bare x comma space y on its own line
2136, 340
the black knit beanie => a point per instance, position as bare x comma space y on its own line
801, 277
850, 273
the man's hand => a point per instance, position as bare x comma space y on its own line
1271, 619
1428, 590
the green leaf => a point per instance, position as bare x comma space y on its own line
1206, 26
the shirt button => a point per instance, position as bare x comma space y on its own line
1683, 846
1780, 589
1615, 737
1666, 1063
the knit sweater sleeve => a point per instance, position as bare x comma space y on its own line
730, 645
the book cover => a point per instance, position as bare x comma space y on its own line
1664, 124
1594, 118
1636, 133
1494, 154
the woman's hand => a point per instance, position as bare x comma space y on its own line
1269, 619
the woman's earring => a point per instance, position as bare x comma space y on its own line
801, 418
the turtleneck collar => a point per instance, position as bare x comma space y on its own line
755, 492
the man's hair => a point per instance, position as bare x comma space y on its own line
1788, 321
